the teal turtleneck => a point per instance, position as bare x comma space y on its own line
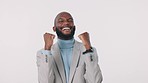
66, 48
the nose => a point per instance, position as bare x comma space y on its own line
66, 23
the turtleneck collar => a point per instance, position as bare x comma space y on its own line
65, 44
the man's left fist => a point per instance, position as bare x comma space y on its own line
84, 37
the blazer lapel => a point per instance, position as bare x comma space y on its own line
59, 62
75, 59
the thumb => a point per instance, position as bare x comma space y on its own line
53, 36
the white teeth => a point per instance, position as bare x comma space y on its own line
66, 28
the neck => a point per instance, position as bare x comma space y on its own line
68, 38
65, 44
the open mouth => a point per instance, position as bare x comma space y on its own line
66, 28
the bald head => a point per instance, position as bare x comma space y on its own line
62, 14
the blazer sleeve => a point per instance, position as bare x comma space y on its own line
93, 73
45, 67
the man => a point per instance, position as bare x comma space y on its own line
67, 61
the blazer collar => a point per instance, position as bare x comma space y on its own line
75, 60
59, 62
58, 59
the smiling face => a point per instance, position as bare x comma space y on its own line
64, 26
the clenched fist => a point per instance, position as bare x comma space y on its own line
84, 37
48, 39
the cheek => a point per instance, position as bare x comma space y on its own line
59, 24
71, 24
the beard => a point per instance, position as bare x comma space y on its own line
67, 36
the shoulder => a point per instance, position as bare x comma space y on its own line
79, 45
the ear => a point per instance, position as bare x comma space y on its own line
54, 28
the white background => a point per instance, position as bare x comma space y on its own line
118, 29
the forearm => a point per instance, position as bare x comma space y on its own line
45, 68
93, 73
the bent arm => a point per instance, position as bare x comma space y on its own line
93, 73
45, 67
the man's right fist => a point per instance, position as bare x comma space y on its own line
48, 39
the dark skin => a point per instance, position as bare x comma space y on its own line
62, 20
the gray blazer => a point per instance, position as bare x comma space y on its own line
84, 67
